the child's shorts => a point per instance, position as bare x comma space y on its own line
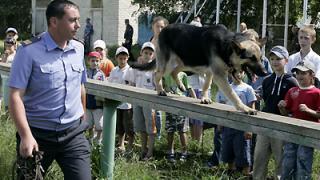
144, 120
95, 117
235, 148
197, 121
124, 121
176, 123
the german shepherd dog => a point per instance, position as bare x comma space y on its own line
213, 51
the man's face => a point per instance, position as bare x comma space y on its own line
69, 24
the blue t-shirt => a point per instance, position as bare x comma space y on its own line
243, 90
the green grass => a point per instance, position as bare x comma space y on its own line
158, 168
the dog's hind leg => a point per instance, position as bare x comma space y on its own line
224, 87
158, 83
205, 94
174, 75
160, 70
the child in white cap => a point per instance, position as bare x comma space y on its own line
143, 117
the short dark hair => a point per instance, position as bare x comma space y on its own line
56, 9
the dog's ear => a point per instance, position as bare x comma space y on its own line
236, 46
261, 42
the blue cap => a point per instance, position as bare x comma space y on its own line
280, 52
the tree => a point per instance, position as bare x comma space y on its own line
16, 14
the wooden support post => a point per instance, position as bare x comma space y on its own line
108, 141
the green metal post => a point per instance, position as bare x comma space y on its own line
108, 142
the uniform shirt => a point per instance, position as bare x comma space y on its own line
95, 74
294, 59
117, 75
51, 78
274, 89
243, 90
141, 79
297, 96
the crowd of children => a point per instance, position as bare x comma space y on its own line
290, 90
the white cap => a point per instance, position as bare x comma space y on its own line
99, 43
122, 49
11, 29
148, 45
196, 23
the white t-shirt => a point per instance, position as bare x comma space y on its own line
117, 75
294, 59
196, 81
141, 79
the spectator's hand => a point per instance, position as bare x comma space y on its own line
247, 135
303, 108
27, 146
282, 104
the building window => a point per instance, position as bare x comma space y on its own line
42, 3
96, 4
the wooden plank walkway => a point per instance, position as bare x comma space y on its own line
289, 129
285, 128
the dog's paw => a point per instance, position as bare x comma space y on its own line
162, 93
247, 110
206, 101
253, 112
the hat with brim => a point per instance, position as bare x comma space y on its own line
99, 44
148, 45
304, 66
280, 52
94, 54
122, 50
11, 29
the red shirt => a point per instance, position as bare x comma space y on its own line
310, 97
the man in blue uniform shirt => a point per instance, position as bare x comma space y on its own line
47, 94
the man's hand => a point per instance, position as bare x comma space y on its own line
27, 146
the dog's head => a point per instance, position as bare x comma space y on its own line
247, 56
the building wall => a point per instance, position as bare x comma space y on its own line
114, 16
108, 21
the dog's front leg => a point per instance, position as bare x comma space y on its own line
224, 87
205, 94
158, 83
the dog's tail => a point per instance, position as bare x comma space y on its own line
145, 67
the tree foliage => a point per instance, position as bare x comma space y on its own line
15, 13
251, 10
